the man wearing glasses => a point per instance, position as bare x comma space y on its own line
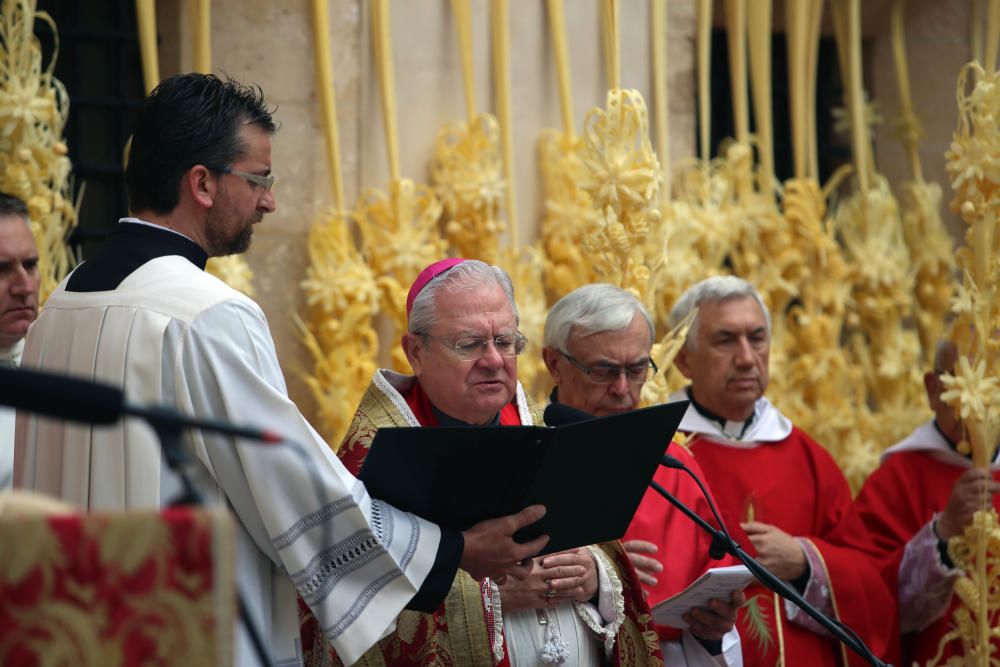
142, 314
578, 607
597, 344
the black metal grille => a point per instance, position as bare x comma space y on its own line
100, 66
832, 150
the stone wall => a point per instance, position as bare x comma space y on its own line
271, 44
938, 45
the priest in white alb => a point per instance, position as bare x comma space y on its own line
142, 314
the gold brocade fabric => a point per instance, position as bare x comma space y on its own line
115, 590
462, 629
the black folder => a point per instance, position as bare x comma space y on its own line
590, 475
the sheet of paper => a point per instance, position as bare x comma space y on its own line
717, 583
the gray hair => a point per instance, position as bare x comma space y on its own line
594, 309
467, 276
714, 289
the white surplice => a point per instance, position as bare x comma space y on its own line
10, 357
173, 334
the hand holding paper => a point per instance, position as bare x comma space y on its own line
717, 618
719, 583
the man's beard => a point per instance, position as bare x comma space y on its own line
239, 244
233, 245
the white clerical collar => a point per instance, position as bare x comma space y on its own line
766, 425
927, 439
137, 221
10, 357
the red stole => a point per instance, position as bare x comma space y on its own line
795, 485
417, 399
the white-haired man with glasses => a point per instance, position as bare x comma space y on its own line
597, 344
577, 607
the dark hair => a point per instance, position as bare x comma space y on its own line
188, 119
12, 205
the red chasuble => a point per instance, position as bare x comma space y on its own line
795, 485
899, 498
682, 546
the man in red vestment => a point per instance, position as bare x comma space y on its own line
923, 493
581, 607
597, 344
779, 492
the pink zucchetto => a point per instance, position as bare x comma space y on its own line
427, 275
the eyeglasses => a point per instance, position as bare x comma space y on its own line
265, 182
471, 349
606, 374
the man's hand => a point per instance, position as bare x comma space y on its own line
647, 568
490, 549
715, 620
972, 491
581, 588
554, 579
776, 550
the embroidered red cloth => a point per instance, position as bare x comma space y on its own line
131, 588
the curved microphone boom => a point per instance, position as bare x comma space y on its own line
557, 414
723, 542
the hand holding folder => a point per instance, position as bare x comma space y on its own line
590, 475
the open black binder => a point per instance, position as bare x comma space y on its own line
590, 475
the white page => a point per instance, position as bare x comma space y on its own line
717, 583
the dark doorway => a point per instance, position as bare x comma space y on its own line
833, 150
100, 66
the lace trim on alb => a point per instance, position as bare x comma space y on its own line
494, 618
383, 384
610, 631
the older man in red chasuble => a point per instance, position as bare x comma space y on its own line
780, 493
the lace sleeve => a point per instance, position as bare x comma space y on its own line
605, 620
925, 583
817, 593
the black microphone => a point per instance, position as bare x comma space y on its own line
560, 414
672, 462
61, 397
79, 400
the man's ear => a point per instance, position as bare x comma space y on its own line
932, 385
201, 185
413, 348
682, 362
551, 359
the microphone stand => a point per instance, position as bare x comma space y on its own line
168, 430
723, 543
